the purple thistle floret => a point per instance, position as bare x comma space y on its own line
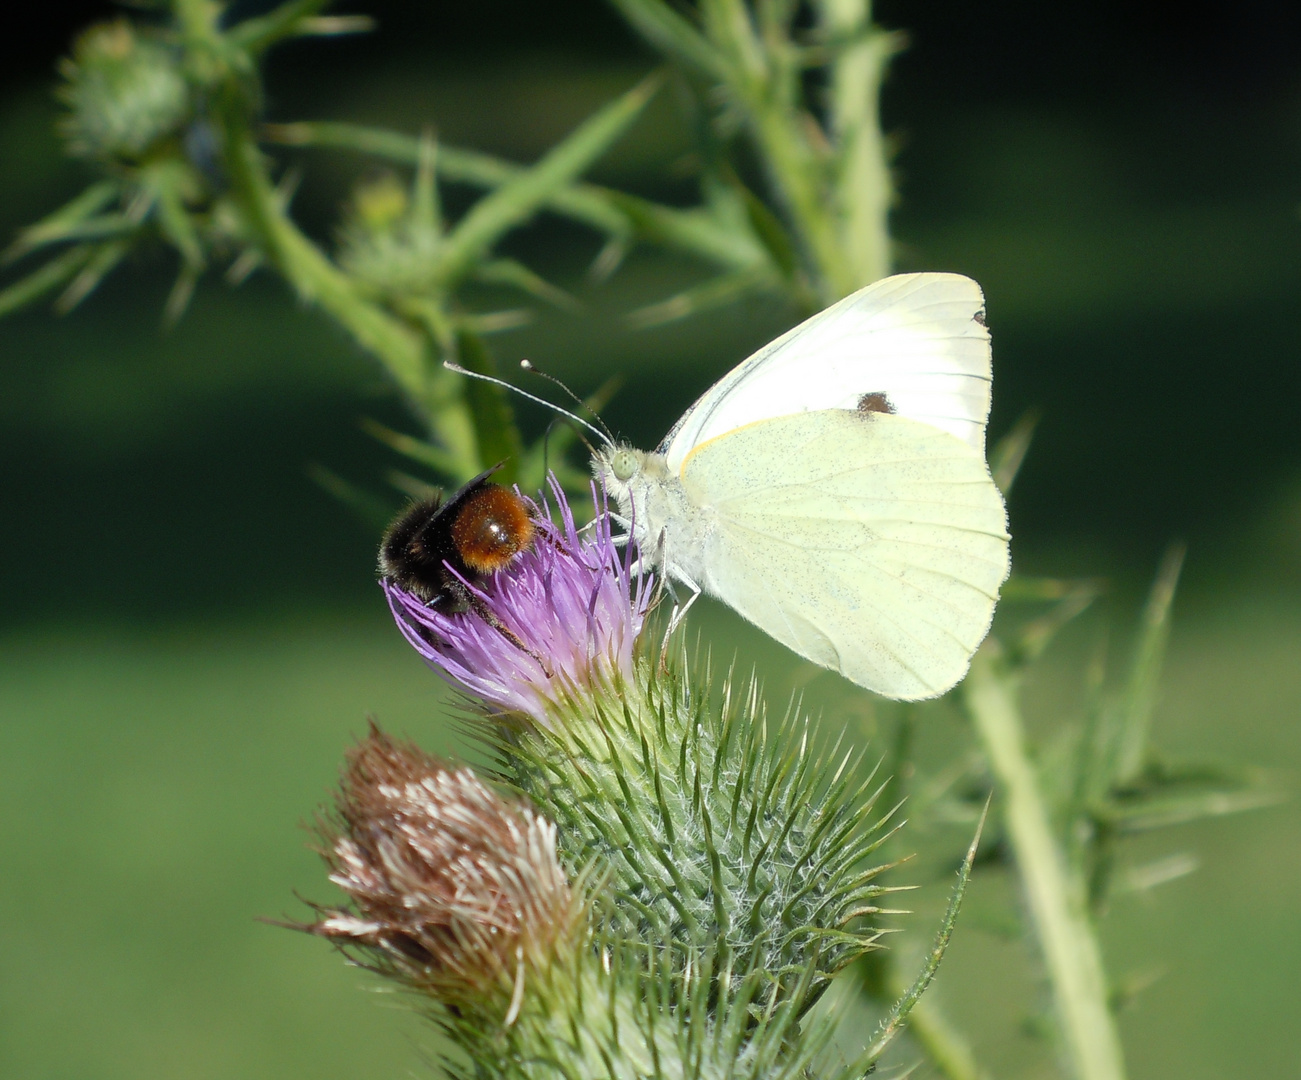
574, 602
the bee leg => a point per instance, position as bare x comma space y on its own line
473, 603
425, 634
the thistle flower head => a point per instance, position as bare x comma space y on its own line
455, 890
561, 616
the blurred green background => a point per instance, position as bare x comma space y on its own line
189, 628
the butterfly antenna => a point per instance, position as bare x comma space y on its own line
529, 366
603, 436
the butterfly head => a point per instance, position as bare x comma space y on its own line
640, 486
625, 472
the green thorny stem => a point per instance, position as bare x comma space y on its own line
1058, 903
206, 76
313, 276
830, 178
401, 347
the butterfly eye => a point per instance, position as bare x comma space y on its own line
623, 464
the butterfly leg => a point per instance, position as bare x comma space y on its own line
618, 519
675, 620
622, 522
643, 562
679, 609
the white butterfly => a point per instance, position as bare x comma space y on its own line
833, 488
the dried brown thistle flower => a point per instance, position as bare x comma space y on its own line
455, 890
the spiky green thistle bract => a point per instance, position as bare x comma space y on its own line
124, 90
721, 828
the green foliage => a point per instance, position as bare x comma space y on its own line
1108, 782
828, 174
1066, 813
194, 179
174, 108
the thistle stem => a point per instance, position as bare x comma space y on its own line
836, 190
863, 188
790, 161
1057, 904
314, 277
944, 1047
615, 213
902, 1010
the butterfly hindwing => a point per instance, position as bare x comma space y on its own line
869, 543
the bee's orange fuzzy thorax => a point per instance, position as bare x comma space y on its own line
491, 527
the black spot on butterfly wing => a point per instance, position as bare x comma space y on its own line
875, 402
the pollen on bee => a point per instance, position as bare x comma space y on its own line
492, 526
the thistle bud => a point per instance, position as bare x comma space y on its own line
124, 91
380, 201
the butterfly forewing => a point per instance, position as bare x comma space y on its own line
913, 344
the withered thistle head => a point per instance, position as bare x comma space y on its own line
455, 891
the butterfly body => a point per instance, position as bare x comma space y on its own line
668, 526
